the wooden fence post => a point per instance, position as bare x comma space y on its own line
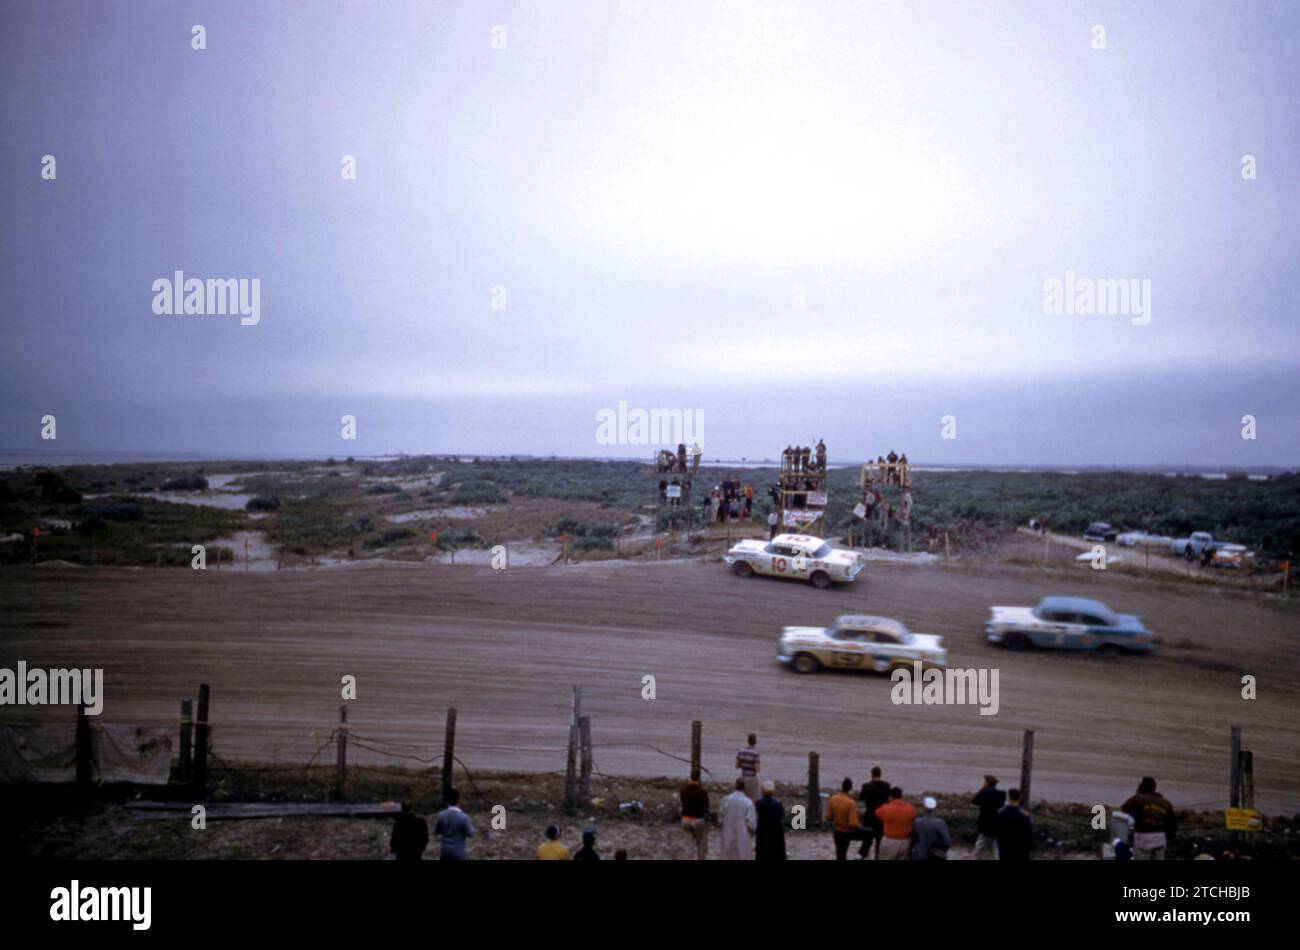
584, 780
1026, 768
187, 737
341, 769
448, 752
814, 791
571, 763
697, 733
83, 747
1234, 774
200, 777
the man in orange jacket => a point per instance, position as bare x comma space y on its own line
842, 813
896, 816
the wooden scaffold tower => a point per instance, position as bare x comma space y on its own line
886, 504
801, 490
675, 477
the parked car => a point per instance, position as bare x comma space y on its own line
1068, 623
1196, 543
1234, 556
797, 556
856, 642
1143, 539
1099, 531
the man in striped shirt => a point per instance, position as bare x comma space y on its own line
747, 762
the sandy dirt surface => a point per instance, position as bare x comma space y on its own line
504, 648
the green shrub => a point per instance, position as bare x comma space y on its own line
186, 483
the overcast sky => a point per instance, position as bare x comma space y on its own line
801, 220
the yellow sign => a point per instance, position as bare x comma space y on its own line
1244, 819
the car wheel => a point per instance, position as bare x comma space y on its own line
806, 663
1018, 642
1110, 649
821, 580
742, 568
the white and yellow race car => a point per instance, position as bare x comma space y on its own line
857, 642
797, 556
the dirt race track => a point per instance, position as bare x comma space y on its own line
505, 647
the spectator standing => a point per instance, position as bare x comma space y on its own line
930, 838
897, 817
588, 850
1154, 821
695, 815
873, 794
771, 524
989, 800
842, 813
410, 835
769, 843
739, 822
748, 764
454, 827
1014, 829
551, 849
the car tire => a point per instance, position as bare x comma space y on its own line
805, 663
821, 580
1110, 649
1017, 642
742, 569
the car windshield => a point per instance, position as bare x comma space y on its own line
823, 551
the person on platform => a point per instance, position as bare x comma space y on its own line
747, 761
821, 455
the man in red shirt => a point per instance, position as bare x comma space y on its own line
896, 817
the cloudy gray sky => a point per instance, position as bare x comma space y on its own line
801, 220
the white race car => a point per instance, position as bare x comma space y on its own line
798, 556
859, 643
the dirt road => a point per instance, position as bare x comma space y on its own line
505, 647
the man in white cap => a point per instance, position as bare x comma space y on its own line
930, 840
